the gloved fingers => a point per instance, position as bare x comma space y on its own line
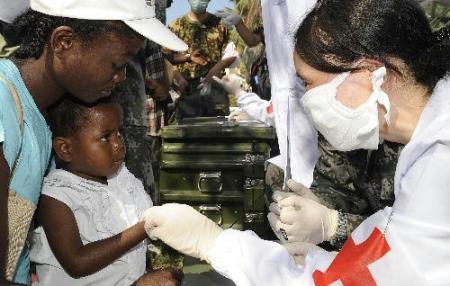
273, 220
217, 79
301, 190
273, 208
153, 216
290, 215
239, 115
285, 229
201, 85
233, 115
204, 87
277, 196
235, 78
224, 81
294, 201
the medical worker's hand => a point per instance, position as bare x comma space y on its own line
298, 216
299, 250
301, 190
232, 84
294, 189
239, 115
182, 228
205, 88
305, 220
229, 18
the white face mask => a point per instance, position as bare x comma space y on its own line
347, 129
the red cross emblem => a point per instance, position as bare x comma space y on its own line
351, 264
269, 108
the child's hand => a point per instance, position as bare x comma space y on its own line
163, 277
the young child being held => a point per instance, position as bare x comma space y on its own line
90, 207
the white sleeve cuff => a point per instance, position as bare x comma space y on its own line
248, 260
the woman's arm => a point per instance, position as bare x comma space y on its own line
80, 260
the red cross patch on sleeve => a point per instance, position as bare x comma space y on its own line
351, 264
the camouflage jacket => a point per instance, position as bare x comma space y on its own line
356, 183
132, 93
209, 39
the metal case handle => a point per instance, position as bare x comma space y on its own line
210, 182
212, 211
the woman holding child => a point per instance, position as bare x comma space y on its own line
76, 47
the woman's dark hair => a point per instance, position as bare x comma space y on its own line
32, 30
338, 33
69, 114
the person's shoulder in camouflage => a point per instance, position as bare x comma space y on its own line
131, 94
335, 175
356, 183
378, 183
207, 39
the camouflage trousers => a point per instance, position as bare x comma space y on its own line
139, 156
195, 104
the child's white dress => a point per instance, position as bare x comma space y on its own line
101, 211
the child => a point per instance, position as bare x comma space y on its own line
90, 208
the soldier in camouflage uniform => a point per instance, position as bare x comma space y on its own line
207, 39
356, 183
132, 95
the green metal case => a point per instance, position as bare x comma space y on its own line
217, 166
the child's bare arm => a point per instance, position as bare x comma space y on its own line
63, 236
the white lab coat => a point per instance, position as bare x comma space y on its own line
258, 108
417, 227
294, 131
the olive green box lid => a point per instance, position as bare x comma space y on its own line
217, 128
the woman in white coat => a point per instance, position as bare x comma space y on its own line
372, 68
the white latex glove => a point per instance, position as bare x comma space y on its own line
305, 220
182, 228
231, 83
239, 115
274, 219
229, 18
299, 250
294, 189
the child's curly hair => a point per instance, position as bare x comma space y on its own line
69, 114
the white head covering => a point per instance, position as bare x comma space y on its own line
137, 14
10, 9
